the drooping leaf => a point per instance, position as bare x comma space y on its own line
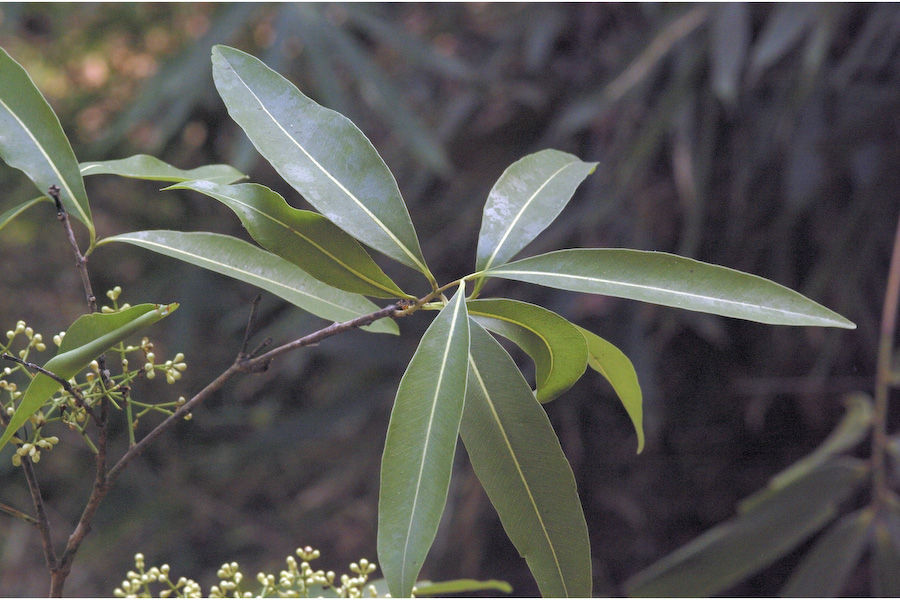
525, 200
142, 166
555, 345
320, 153
86, 339
751, 541
245, 262
302, 237
612, 363
825, 568
886, 553
426, 589
33, 141
420, 444
15, 211
517, 457
671, 280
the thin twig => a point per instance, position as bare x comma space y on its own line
883, 374
14, 512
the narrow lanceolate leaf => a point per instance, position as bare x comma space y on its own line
555, 345
32, 140
86, 339
15, 211
428, 589
245, 262
727, 553
519, 462
612, 363
302, 237
671, 280
420, 444
524, 201
142, 166
824, 570
321, 153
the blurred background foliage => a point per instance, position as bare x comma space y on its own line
760, 137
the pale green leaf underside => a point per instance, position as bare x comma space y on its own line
302, 237
741, 546
616, 367
143, 166
319, 152
420, 445
7, 216
529, 195
555, 345
32, 140
671, 280
518, 460
86, 339
245, 262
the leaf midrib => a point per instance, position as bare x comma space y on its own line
543, 339
328, 174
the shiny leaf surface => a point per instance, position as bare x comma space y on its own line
142, 166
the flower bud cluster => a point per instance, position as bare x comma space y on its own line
33, 450
137, 583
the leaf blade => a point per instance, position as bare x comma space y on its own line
245, 262
302, 237
670, 280
8, 215
420, 445
143, 166
517, 457
33, 141
556, 346
319, 152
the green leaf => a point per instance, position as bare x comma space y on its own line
612, 363
245, 262
426, 589
518, 459
142, 166
15, 211
741, 546
86, 339
33, 141
671, 280
825, 568
321, 153
886, 553
302, 237
555, 345
420, 444
525, 200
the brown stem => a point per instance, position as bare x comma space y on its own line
883, 374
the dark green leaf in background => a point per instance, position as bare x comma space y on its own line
32, 140
7, 216
555, 345
420, 444
245, 262
670, 280
302, 237
143, 166
518, 460
321, 153
612, 363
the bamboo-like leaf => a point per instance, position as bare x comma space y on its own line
671, 280
886, 553
245, 262
518, 459
612, 363
302, 237
427, 589
321, 153
824, 570
86, 339
420, 444
741, 546
525, 200
33, 141
15, 211
142, 166
555, 345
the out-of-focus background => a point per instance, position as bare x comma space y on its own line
760, 137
